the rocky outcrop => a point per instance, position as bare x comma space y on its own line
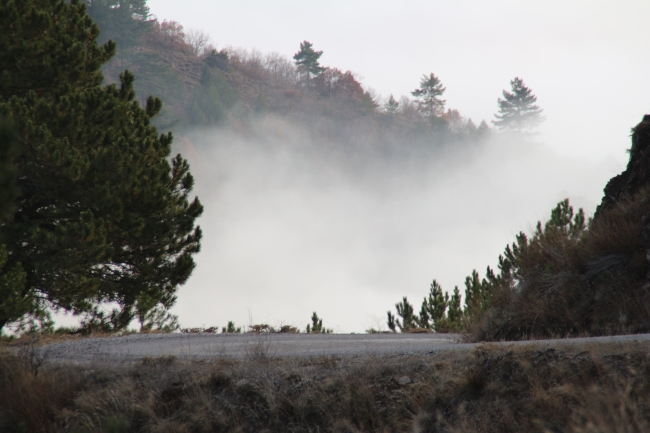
636, 176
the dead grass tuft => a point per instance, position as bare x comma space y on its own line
493, 388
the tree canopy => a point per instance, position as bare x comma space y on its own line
428, 96
101, 215
122, 21
517, 109
306, 61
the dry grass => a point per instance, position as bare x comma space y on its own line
491, 389
596, 284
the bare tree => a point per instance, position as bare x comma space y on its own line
197, 39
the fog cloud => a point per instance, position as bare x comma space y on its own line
294, 224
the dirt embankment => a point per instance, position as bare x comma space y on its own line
491, 388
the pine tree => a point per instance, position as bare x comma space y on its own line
406, 312
517, 110
454, 312
231, 328
306, 61
483, 128
122, 21
428, 96
101, 216
437, 303
476, 295
15, 300
391, 321
391, 106
317, 325
8, 173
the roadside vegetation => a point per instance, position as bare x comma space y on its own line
570, 277
530, 388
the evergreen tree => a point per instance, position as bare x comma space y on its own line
406, 312
454, 312
15, 300
317, 325
391, 321
517, 110
8, 174
306, 61
470, 127
122, 21
101, 215
437, 302
483, 128
231, 328
391, 106
428, 96
476, 295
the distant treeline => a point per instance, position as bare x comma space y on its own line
201, 86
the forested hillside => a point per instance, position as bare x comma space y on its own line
202, 86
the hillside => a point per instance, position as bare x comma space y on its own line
201, 86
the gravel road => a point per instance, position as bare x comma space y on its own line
210, 346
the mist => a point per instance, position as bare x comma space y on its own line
294, 223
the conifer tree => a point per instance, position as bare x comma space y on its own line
406, 312
454, 312
15, 300
317, 325
231, 328
306, 61
483, 128
517, 110
102, 216
391, 106
391, 321
476, 295
437, 302
428, 96
122, 21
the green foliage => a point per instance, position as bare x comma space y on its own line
16, 298
391, 106
390, 321
517, 110
8, 174
122, 21
317, 325
442, 313
454, 312
212, 99
102, 216
231, 328
406, 312
477, 293
306, 61
428, 96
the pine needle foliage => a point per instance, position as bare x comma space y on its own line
517, 110
316, 326
428, 96
102, 215
306, 61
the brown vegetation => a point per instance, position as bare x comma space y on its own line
567, 281
491, 389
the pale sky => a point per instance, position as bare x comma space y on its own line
275, 250
585, 60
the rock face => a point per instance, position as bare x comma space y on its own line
636, 176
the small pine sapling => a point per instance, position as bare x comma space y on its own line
231, 328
